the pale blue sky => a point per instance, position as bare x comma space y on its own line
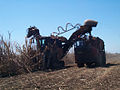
17, 15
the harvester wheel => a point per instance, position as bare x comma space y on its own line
58, 65
101, 59
62, 63
80, 64
90, 65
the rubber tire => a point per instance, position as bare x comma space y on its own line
90, 65
101, 59
98, 60
80, 64
62, 63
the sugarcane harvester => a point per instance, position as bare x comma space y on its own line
88, 50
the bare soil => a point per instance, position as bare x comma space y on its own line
69, 78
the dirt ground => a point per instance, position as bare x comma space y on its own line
70, 78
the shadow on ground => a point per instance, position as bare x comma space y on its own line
106, 66
65, 67
110, 64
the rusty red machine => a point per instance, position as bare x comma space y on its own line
88, 50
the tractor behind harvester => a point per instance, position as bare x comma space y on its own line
88, 50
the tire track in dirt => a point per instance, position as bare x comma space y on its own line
110, 80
